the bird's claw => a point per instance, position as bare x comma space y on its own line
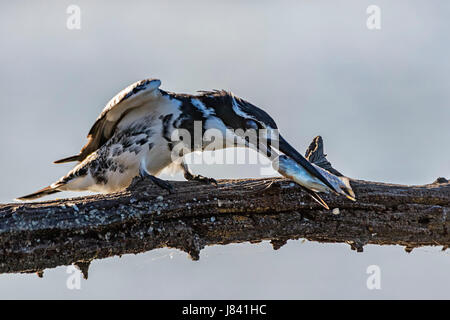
162, 184
165, 185
204, 180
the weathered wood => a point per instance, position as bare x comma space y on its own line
35, 236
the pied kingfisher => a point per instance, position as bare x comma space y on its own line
133, 136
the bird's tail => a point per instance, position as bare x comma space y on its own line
68, 159
41, 193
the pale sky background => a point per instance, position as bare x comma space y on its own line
380, 99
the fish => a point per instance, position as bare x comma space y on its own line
290, 169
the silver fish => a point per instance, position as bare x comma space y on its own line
291, 170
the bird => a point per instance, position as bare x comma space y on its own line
134, 136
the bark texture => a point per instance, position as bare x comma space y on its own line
35, 236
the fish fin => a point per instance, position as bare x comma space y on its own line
290, 152
316, 155
316, 197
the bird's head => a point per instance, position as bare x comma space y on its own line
254, 117
252, 123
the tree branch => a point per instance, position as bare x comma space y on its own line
35, 236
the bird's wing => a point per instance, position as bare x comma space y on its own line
128, 99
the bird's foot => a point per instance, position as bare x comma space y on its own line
159, 182
201, 179
162, 183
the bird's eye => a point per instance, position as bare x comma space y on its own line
251, 124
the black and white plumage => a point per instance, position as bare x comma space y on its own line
132, 136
